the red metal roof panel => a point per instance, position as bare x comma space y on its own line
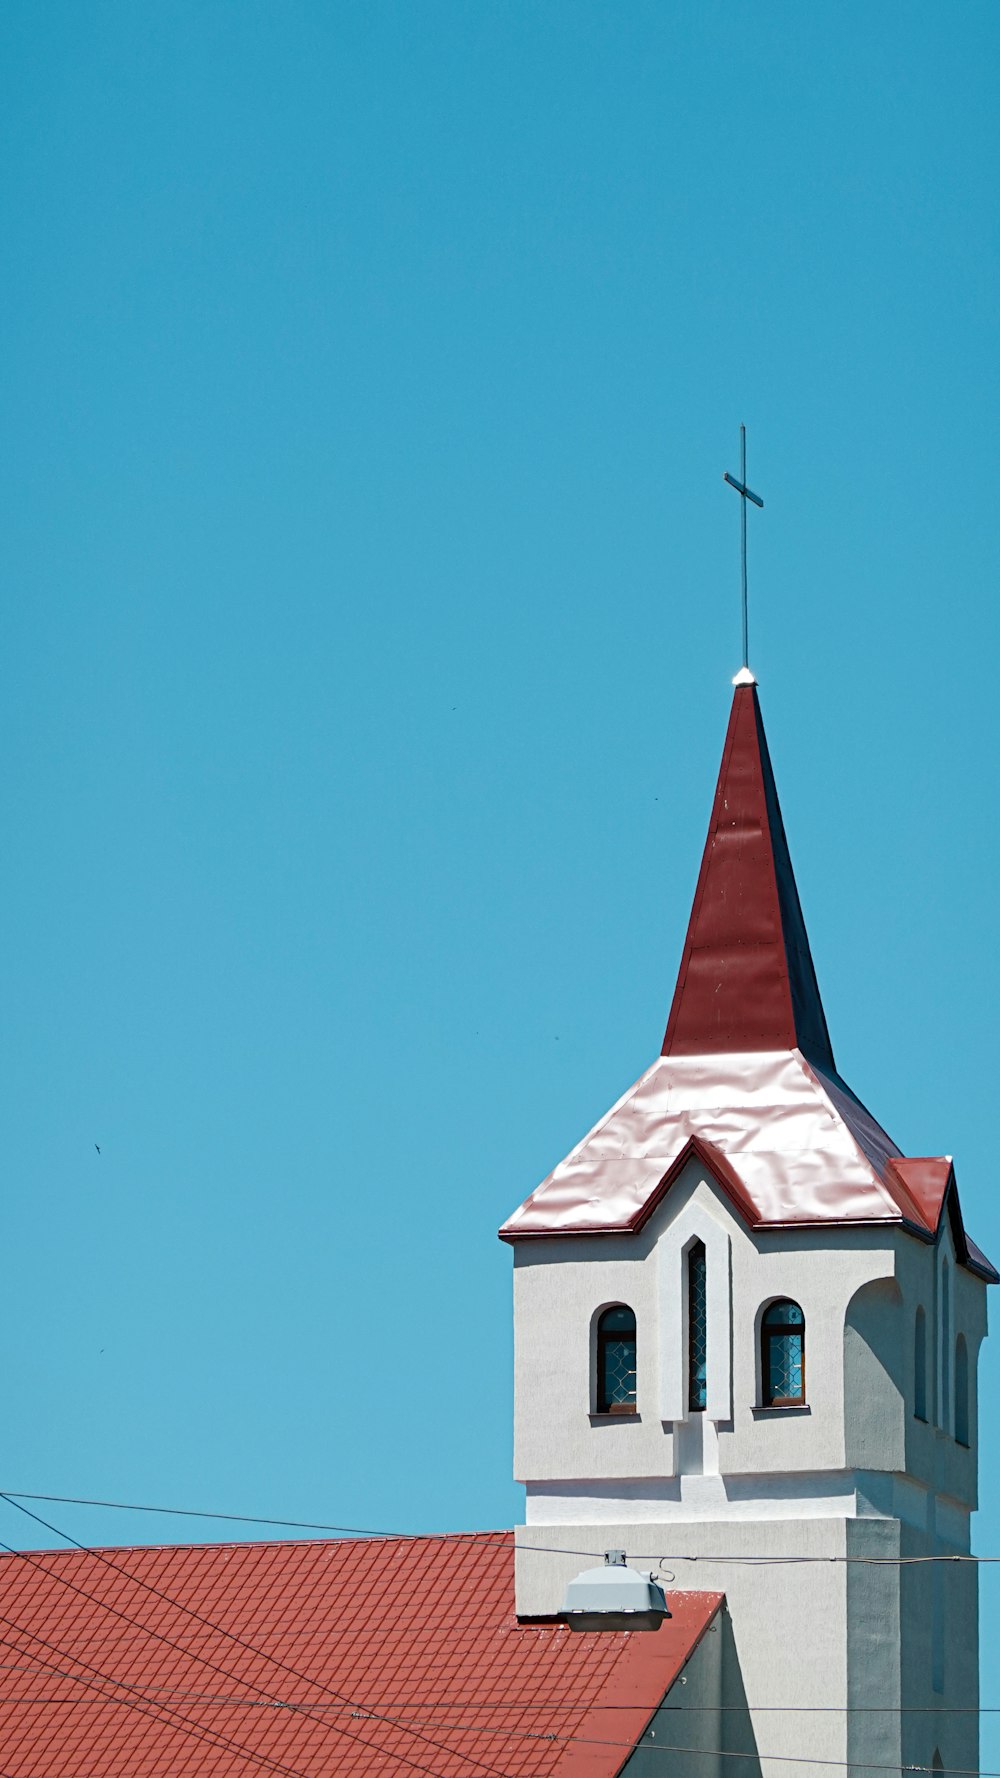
746, 980
925, 1180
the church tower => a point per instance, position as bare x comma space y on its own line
746, 1339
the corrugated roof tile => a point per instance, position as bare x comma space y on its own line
417, 1628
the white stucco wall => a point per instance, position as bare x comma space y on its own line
769, 1606
854, 1473
560, 1284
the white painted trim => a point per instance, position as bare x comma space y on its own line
695, 1223
727, 1500
698, 1499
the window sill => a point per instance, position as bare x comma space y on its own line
795, 1408
605, 1419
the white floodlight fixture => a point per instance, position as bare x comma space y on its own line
614, 1597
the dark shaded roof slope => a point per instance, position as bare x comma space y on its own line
387, 1656
746, 980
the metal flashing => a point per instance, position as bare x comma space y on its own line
790, 1147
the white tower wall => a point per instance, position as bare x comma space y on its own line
876, 1647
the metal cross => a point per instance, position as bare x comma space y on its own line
745, 494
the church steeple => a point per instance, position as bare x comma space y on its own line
746, 980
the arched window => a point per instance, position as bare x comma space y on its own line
616, 1361
937, 1764
697, 1328
944, 1418
783, 1356
920, 1365
961, 1390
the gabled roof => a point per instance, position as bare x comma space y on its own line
746, 980
926, 1188
746, 1080
352, 1658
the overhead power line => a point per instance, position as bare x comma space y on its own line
856, 1766
648, 1746
190, 1512
164, 1713
501, 1538
230, 1636
167, 1713
519, 1704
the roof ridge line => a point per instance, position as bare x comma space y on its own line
818, 1076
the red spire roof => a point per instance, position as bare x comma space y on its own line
746, 980
746, 1082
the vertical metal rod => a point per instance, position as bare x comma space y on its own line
743, 539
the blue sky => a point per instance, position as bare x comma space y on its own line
371, 599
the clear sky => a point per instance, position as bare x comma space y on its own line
370, 600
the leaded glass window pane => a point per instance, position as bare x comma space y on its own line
786, 1365
697, 1328
783, 1332
619, 1320
616, 1362
784, 1315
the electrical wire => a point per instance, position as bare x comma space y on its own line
164, 1714
856, 1766
548, 1704
763, 1561
230, 1636
501, 1539
217, 1737
647, 1746
201, 1731
404, 1725
151, 1692
805, 1759
187, 1512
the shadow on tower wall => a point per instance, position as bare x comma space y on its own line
703, 1728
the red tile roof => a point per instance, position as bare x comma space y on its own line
228, 1659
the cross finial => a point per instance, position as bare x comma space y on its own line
744, 676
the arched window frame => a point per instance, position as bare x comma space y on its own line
606, 1336
920, 1363
697, 1327
945, 1347
696, 1222
772, 1329
962, 1398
